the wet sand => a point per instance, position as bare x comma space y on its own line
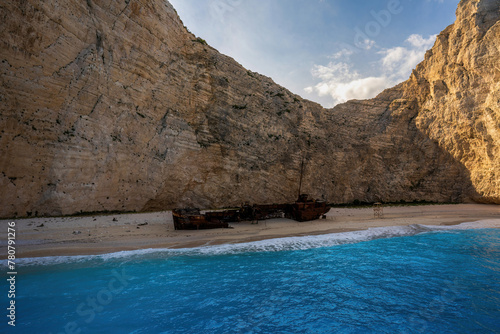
36, 237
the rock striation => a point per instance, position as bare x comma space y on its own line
115, 106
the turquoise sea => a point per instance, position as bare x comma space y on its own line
414, 279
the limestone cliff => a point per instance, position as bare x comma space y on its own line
109, 105
458, 88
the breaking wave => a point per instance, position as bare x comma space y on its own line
268, 245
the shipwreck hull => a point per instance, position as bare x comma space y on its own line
192, 219
302, 210
308, 211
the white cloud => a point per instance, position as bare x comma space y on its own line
400, 61
363, 88
342, 82
344, 53
420, 42
366, 44
333, 71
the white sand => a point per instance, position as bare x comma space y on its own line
111, 233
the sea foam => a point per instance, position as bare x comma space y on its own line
268, 245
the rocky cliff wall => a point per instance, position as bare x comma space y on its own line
109, 105
459, 100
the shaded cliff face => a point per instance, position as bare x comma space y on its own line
458, 88
445, 120
116, 106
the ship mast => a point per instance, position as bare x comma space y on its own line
301, 174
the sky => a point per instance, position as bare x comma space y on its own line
327, 51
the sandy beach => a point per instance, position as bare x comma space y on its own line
58, 236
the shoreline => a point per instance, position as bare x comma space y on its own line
95, 235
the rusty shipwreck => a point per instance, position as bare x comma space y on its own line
303, 209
